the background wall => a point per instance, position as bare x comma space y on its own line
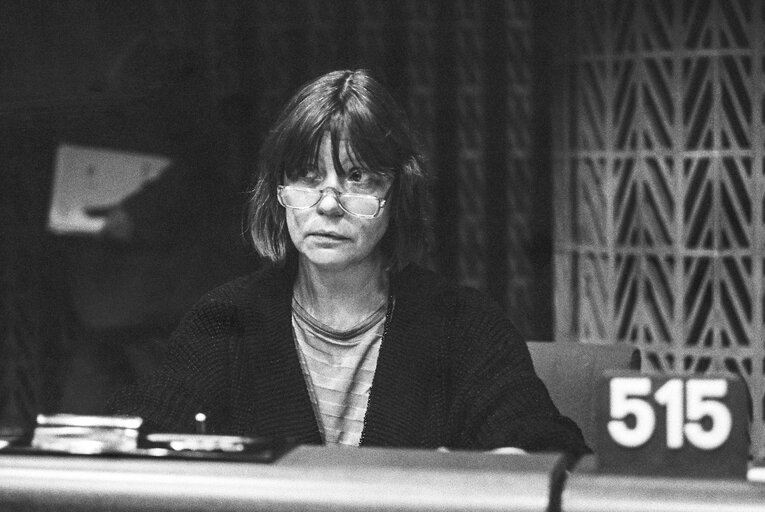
207, 77
659, 153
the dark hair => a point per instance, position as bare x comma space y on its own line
349, 105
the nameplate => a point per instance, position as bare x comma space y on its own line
672, 425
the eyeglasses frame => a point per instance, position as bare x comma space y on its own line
381, 202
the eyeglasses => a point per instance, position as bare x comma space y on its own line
360, 205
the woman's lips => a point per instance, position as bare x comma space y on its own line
328, 235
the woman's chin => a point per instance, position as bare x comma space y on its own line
331, 260
328, 259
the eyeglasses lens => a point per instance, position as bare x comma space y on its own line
360, 205
356, 204
296, 198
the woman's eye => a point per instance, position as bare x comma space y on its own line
356, 175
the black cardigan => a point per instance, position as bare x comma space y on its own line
452, 371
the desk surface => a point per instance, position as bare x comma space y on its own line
611, 493
337, 479
306, 478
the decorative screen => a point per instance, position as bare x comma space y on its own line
659, 184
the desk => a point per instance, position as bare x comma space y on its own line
306, 478
591, 492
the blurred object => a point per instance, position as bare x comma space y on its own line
118, 225
200, 423
13, 436
205, 443
86, 434
87, 178
76, 420
94, 434
756, 472
171, 239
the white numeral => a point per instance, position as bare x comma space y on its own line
698, 407
686, 403
622, 406
670, 395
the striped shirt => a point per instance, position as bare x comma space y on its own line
338, 367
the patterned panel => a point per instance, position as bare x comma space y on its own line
659, 183
527, 290
420, 29
378, 34
665, 163
421, 77
594, 296
272, 57
328, 36
224, 70
623, 105
591, 201
469, 58
624, 195
523, 289
656, 314
626, 296
591, 128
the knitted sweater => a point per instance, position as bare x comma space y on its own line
452, 371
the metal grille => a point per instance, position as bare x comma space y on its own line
659, 184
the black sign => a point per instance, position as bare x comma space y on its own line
673, 425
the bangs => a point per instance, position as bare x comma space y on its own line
366, 145
301, 149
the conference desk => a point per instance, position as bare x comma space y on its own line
305, 478
611, 493
586, 490
337, 479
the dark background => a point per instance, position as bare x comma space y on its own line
201, 81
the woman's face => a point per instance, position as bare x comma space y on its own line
327, 236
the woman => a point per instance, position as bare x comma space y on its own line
346, 340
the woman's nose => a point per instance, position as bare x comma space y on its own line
329, 204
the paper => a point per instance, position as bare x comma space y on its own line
756, 472
88, 177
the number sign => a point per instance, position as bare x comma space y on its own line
693, 426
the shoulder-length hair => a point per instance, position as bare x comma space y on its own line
358, 111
